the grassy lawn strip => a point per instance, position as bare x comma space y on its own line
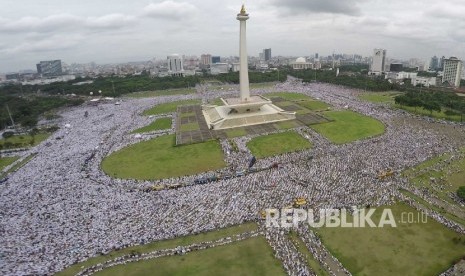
190, 127
288, 96
159, 158
236, 132
279, 143
435, 208
311, 262
314, 105
6, 161
348, 126
165, 244
168, 107
379, 97
408, 249
159, 124
287, 124
252, 256
23, 141
150, 94
434, 114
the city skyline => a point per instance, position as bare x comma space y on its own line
115, 31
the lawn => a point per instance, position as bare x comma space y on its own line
252, 256
150, 94
279, 143
190, 127
262, 85
169, 107
6, 161
165, 244
348, 126
314, 105
236, 132
379, 97
408, 249
159, 124
159, 158
288, 96
287, 124
23, 141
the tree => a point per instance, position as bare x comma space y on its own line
461, 192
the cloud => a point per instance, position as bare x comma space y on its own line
170, 10
348, 7
49, 44
63, 23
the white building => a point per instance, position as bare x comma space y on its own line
378, 62
219, 68
175, 67
424, 81
301, 64
452, 71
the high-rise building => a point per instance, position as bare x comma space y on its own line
434, 63
452, 71
206, 59
441, 63
175, 67
267, 54
216, 59
50, 68
378, 62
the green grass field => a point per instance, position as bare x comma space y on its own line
314, 105
262, 85
252, 256
168, 107
279, 143
348, 126
6, 161
169, 92
287, 124
288, 96
159, 124
23, 141
409, 249
379, 97
190, 127
236, 132
165, 244
159, 158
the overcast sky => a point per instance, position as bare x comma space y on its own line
112, 31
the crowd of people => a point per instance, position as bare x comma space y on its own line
55, 212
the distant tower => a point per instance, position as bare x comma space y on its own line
379, 61
175, 67
244, 67
452, 71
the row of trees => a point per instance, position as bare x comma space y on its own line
26, 111
434, 101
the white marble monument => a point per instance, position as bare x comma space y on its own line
246, 110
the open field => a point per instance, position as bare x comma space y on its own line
279, 143
314, 105
262, 85
6, 161
169, 92
159, 124
165, 244
348, 126
23, 141
168, 107
434, 114
379, 97
288, 96
236, 132
252, 256
159, 158
408, 249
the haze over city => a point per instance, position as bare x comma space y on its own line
121, 31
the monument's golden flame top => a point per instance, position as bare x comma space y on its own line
243, 9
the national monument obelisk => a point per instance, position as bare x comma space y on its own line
246, 110
244, 65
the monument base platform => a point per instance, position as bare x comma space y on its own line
258, 110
